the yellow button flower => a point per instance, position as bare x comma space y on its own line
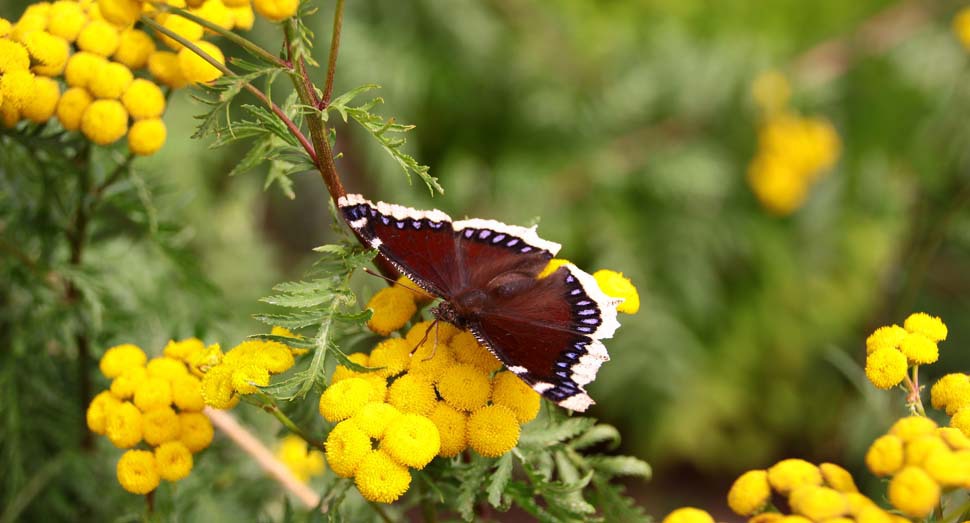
885, 337
818, 503
5, 26
346, 446
615, 285
137, 472
341, 372
13, 56
788, 474
885, 455
276, 10
873, 514
912, 427
914, 492
17, 88
688, 515
120, 357
430, 362
776, 184
98, 37
412, 440
124, 426
215, 12
954, 438
919, 449
71, 106
440, 333
153, 393
123, 387
961, 420
919, 349
749, 493
412, 394
195, 68
509, 390
452, 429
380, 479
931, 327
465, 387
961, 26
551, 267
187, 393
393, 354
247, 379
104, 122
49, 52
82, 67
164, 67
275, 356
493, 430
110, 81
770, 91
374, 418
392, 308
299, 459
67, 18
42, 105
420, 295
951, 393
183, 349
217, 389
134, 48
166, 368
160, 425
886, 367
343, 399
837, 477
948, 468
195, 431
120, 12
173, 460
466, 349
183, 27
243, 17
98, 410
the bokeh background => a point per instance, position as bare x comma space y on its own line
624, 129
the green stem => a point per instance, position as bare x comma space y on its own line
338, 19
307, 146
235, 38
381, 513
270, 406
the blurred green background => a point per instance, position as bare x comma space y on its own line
625, 129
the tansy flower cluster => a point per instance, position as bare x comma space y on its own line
891, 350
302, 462
961, 26
243, 369
153, 408
793, 151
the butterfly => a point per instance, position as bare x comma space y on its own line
545, 330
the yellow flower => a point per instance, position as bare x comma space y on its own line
346, 445
134, 48
104, 121
615, 285
961, 420
858, 503
120, 12
160, 425
789, 474
912, 427
442, 332
412, 394
379, 478
302, 462
71, 106
195, 68
199, 360
776, 184
452, 428
818, 503
13, 56
374, 418
216, 12
919, 449
247, 378
195, 430
886, 367
153, 393
187, 393
82, 67
137, 471
771, 91
173, 460
493, 430
98, 411
66, 19
888, 337
885, 455
276, 357
164, 66
343, 399
286, 333
111, 81
951, 392
243, 17
123, 387
183, 27
688, 515
48, 51
919, 349
465, 387
393, 354
961, 26
124, 426
276, 10
217, 388
166, 368
954, 438
420, 295
948, 468
341, 372
749, 493
98, 37
412, 440
34, 18
466, 349
17, 88
431, 361
837, 478
509, 390
41, 106
9, 115
551, 267
931, 327
914, 492
392, 308
5, 27
118, 358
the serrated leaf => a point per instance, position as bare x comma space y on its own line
620, 466
295, 320
351, 364
614, 506
339, 103
596, 435
472, 478
500, 478
542, 436
296, 343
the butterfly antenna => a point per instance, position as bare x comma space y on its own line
418, 292
427, 332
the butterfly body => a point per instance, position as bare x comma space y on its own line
545, 330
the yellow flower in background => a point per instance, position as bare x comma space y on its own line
137, 472
303, 462
886, 367
412, 394
173, 460
818, 503
343, 399
951, 393
837, 477
153, 393
110, 81
276, 10
420, 295
885, 455
493, 430
961, 26
885, 337
949, 468
99, 37
187, 393
789, 474
953, 437
123, 387
123, 425
961, 420
510, 391
196, 431
553, 266
164, 67
160, 425
121, 357
931, 327
452, 428
71, 106
346, 446
166, 368
913, 427
919, 349
99, 410
134, 48
374, 418
771, 91
465, 387
615, 285
120, 12
42, 105
411, 440
381, 479
919, 449
104, 121
688, 515
914, 492
749, 493
392, 308
195, 68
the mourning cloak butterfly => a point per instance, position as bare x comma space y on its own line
545, 330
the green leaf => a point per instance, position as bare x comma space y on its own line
472, 477
614, 506
542, 436
620, 466
296, 343
596, 435
339, 103
500, 478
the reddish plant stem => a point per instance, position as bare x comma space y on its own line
338, 19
